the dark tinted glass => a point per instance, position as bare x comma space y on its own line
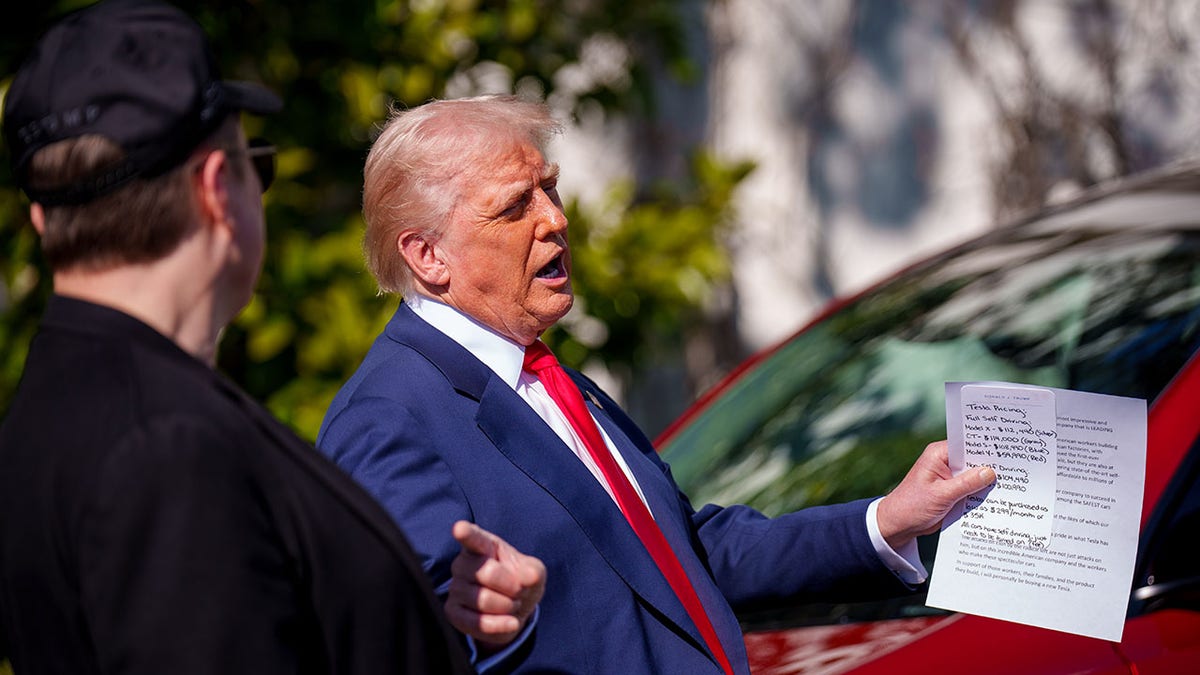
1171, 573
841, 411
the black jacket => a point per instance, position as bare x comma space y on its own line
154, 519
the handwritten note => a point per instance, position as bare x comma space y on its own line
1013, 431
1052, 543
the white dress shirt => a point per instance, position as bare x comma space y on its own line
506, 359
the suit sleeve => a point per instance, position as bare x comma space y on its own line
180, 567
393, 455
818, 553
821, 553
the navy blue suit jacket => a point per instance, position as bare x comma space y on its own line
436, 436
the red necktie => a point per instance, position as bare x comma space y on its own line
541, 363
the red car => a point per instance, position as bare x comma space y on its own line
1101, 294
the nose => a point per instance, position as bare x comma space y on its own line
551, 219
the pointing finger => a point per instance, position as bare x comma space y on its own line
476, 539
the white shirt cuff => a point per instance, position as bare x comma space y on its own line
905, 563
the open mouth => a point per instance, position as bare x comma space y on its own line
553, 269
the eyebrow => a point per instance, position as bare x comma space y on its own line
514, 189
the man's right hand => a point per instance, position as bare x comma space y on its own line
494, 588
930, 489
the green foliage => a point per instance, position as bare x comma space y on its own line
24, 286
642, 265
644, 270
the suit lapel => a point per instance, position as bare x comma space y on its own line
525, 440
664, 504
521, 436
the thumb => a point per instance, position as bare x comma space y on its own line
532, 570
475, 539
971, 481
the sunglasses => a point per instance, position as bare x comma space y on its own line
262, 156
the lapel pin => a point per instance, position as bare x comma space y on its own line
594, 400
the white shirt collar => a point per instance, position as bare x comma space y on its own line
497, 352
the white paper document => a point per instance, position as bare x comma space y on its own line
1052, 543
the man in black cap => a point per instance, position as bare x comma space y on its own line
153, 518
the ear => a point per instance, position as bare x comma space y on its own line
211, 188
423, 258
37, 215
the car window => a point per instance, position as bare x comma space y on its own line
842, 410
1169, 575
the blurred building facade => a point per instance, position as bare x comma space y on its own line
883, 131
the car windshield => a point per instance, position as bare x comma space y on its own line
1100, 300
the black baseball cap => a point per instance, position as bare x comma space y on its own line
138, 72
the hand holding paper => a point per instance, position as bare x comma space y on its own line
928, 492
1053, 543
